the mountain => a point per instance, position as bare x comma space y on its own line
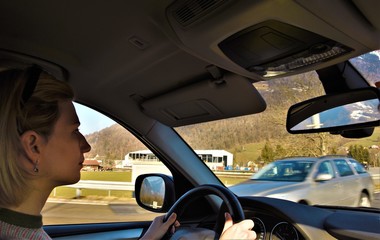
113, 143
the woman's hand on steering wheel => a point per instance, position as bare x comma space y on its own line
240, 230
158, 228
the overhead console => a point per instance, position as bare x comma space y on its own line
267, 39
273, 48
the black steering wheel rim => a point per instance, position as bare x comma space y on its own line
230, 200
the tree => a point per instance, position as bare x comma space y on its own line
280, 152
267, 153
359, 153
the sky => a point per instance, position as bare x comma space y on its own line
91, 121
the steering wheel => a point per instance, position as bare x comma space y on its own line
230, 200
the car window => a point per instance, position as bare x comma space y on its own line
326, 168
358, 167
105, 192
293, 171
343, 167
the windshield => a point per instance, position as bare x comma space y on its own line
256, 141
369, 66
287, 171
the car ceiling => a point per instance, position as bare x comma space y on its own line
127, 52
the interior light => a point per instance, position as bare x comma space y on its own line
300, 62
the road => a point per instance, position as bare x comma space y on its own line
85, 211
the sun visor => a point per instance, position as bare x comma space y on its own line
9, 59
231, 96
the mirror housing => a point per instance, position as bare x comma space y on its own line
322, 177
336, 113
155, 192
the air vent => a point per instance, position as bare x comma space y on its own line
188, 11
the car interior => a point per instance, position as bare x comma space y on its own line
152, 66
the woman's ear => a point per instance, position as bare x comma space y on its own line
31, 144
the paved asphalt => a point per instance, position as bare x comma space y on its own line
56, 212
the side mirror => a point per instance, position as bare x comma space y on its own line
336, 113
323, 177
154, 192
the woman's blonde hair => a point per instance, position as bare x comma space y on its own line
38, 113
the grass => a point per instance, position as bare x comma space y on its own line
70, 193
248, 152
232, 180
107, 176
66, 192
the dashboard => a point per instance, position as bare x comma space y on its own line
274, 228
280, 219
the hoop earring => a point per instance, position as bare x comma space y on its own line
35, 169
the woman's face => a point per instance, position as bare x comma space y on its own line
63, 152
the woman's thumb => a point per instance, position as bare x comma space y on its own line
171, 219
229, 222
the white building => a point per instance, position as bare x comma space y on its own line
215, 159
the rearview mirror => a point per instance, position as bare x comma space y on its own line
336, 113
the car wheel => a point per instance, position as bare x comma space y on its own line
364, 200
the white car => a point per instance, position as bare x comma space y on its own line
327, 180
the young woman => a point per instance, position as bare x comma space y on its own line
41, 148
